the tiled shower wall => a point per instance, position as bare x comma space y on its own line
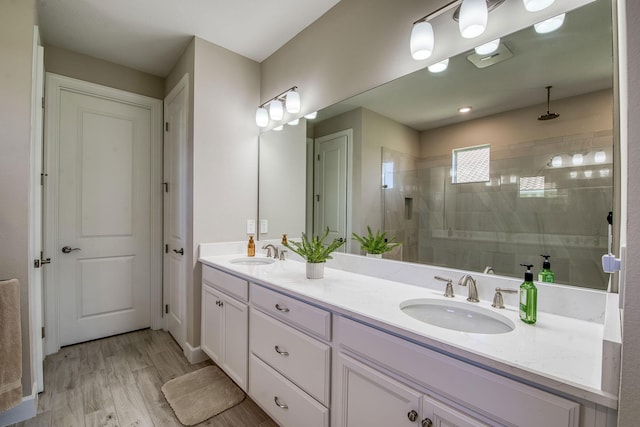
471, 226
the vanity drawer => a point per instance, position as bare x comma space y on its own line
303, 360
227, 283
488, 394
312, 319
286, 403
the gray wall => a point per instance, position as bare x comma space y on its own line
16, 55
71, 64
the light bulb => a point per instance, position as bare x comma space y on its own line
422, 41
262, 117
536, 5
487, 48
439, 67
293, 102
549, 25
464, 109
294, 122
275, 110
473, 18
577, 159
588, 174
311, 116
600, 157
556, 162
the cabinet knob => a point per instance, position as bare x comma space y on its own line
281, 352
413, 415
427, 423
282, 309
278, 404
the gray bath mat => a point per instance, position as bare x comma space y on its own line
198, 396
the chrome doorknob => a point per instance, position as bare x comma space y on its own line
69, 249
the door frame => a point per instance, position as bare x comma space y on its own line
54, 86
348, 133
182, 85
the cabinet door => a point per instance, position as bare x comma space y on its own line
235, 340
442, 415
365, 397
212, 323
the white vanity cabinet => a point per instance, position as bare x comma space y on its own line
225, 323
290, 360
382, 380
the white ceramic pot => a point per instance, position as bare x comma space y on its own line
315, 270
374, 255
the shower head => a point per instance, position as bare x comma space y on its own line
549, 115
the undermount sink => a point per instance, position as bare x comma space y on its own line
458, 316
252, 261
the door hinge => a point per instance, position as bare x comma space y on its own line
166, 249
36, 263
42, 177
43, 334
166, 309
318, 157
166, 126
43, 102
166, 187
317, 197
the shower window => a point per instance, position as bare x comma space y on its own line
470, 164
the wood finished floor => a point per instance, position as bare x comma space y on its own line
116, 381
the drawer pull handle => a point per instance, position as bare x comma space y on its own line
278, 404
281, 352
413, 415
282, 309
427, 423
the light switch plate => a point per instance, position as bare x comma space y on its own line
264, 226
251, 226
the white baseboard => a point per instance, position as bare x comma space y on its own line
193, 354
25, 410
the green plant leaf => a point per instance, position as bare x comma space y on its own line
314, 250
375, 243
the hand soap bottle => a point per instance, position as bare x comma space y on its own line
528, 297
251, 247
546, 275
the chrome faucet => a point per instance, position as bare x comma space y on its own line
489, 270
469, 281
268, 248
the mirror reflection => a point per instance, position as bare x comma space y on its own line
496, 186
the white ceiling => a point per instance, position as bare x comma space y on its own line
150, 35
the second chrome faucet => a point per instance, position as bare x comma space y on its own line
470, 282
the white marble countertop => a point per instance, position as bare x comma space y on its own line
557, 353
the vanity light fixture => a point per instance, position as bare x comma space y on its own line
556, 162
471, 15
311, 116
487, 48
274, 109
600, 157
278, 128
294, 122
536, 5
439, 67
550, 24
464, 109
577, 159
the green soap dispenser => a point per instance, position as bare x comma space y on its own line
546, 275
528, 297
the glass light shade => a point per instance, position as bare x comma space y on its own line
275, 110
311, 116
600, 157
293, 102
577, 159
487, 48
464, 110
278, 128
439, 67
536, 5
549, 25
588, 174
421, 40
556, 162
473, 18
262, 117
294, 122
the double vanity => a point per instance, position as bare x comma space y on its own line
356, 349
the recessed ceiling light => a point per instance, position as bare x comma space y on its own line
464, 109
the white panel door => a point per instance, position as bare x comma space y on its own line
175, 227
104, 216
331, 195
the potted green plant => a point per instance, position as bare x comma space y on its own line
375, 244
315, 252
